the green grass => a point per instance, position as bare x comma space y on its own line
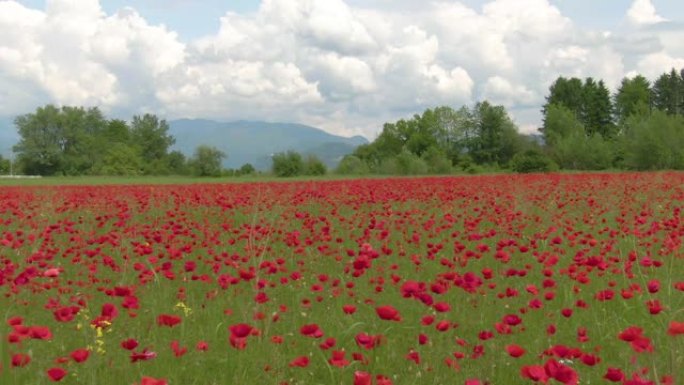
100, 237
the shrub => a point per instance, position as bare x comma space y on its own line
532, 161
314, 166
352, 165
287, 164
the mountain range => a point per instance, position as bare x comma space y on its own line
255, 141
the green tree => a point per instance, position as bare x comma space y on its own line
568, 93
560, 123
151, 136
532, 160
59, 140
497, 138
406, 163
120, 159
178, 164
287, 164
456, 128
578, 151
668, 93
352, 165
314, 166
207, 161
632, 95
4, 165
655, 141
597, 109
437, 161
116, 131
590, 102
246, 169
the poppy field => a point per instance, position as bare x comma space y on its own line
511, 279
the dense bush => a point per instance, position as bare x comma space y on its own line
287, 164
314, 166
532, 161
352, 165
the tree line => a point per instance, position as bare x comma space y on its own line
79, 141
640, 127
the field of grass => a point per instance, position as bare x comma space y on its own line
508, 279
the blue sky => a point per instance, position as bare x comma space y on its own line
346, 66
195, 18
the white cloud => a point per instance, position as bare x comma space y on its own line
500, 91
346, 66
655, 64
643, 12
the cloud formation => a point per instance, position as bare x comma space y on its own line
644, 12
346, 66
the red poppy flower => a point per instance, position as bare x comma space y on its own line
675, 328
66, 313
169, 320
614, 375
388, 313
311, 330
515, 351
512, 320
80, 355
178, 351
382, 380
300, 362
202, 346
40, 333
153, 381
349, 309
145, 355
367, 341
561, 373
534, 373
338, 359
637, 340
240, 330
20, 360
129, 344
56, 374
362, 378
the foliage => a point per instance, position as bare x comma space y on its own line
437, 161
78, 141
668, 93
4, 165
246, 169
579, 151
178, 164
314, 166
588, 101
207, 161
352, 165
287, 164
442, 137
120, 159
655, 141
532, 161
151, 136
632, 96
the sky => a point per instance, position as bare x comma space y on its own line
346, 66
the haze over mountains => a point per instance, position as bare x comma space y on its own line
254, 141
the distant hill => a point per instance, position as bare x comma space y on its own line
254, 142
